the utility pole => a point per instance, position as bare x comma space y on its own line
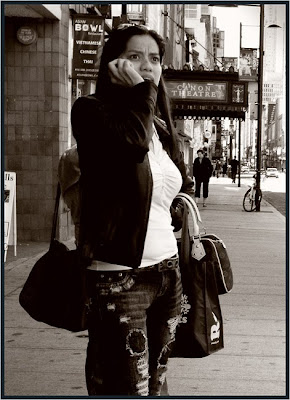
260, 109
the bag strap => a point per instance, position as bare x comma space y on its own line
184, 252
193, 210
193, 204
197, 250
55, 214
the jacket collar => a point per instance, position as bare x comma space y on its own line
161, 128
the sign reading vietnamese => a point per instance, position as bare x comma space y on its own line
88, 45
209, 91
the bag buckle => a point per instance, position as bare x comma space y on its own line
197, 250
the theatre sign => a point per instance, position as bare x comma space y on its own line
203, 93
198, 90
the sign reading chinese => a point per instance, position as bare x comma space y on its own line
88, 45
208, 91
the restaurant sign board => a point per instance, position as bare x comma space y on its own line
88, 45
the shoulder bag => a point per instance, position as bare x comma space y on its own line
54, 292
200, 329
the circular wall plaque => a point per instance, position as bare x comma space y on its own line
26, 35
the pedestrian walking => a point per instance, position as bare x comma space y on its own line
218, 168
131, 171
202, 171
234, 168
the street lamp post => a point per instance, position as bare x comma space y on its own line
260, 109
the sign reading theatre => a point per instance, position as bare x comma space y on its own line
88, 44
209, 91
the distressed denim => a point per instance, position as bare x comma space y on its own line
132, 325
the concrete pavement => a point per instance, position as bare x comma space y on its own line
43, 361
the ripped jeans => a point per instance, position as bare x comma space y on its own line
132, 325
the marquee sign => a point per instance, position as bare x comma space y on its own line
197, 90
206, 93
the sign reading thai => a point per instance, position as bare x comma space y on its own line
209, 91
88, 44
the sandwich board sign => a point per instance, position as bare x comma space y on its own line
10, 228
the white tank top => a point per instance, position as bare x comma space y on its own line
160, 241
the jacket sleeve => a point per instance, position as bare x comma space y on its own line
125, 122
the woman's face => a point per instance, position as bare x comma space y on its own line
143, 53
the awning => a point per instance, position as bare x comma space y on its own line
206, 94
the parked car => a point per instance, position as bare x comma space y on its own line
272, 172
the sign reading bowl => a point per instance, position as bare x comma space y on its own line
88, 45
208, 91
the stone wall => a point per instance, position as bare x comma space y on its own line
36, 118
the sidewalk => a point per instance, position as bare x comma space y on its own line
45, 361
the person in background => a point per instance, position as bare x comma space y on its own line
217, 168
131, 171
225, 168
68, 176
234, 168
202, 171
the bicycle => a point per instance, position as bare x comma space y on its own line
250, 201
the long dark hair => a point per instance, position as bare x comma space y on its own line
113, 48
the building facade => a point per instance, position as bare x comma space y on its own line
40, 91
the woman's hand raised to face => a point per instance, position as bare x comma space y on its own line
123, 73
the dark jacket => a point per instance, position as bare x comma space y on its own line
234, 165
116, 183
202, 171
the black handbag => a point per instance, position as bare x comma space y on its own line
200, 329
54, 292
214, 248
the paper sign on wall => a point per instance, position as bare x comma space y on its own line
9, 211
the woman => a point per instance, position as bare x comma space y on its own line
131, 171
202, 171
